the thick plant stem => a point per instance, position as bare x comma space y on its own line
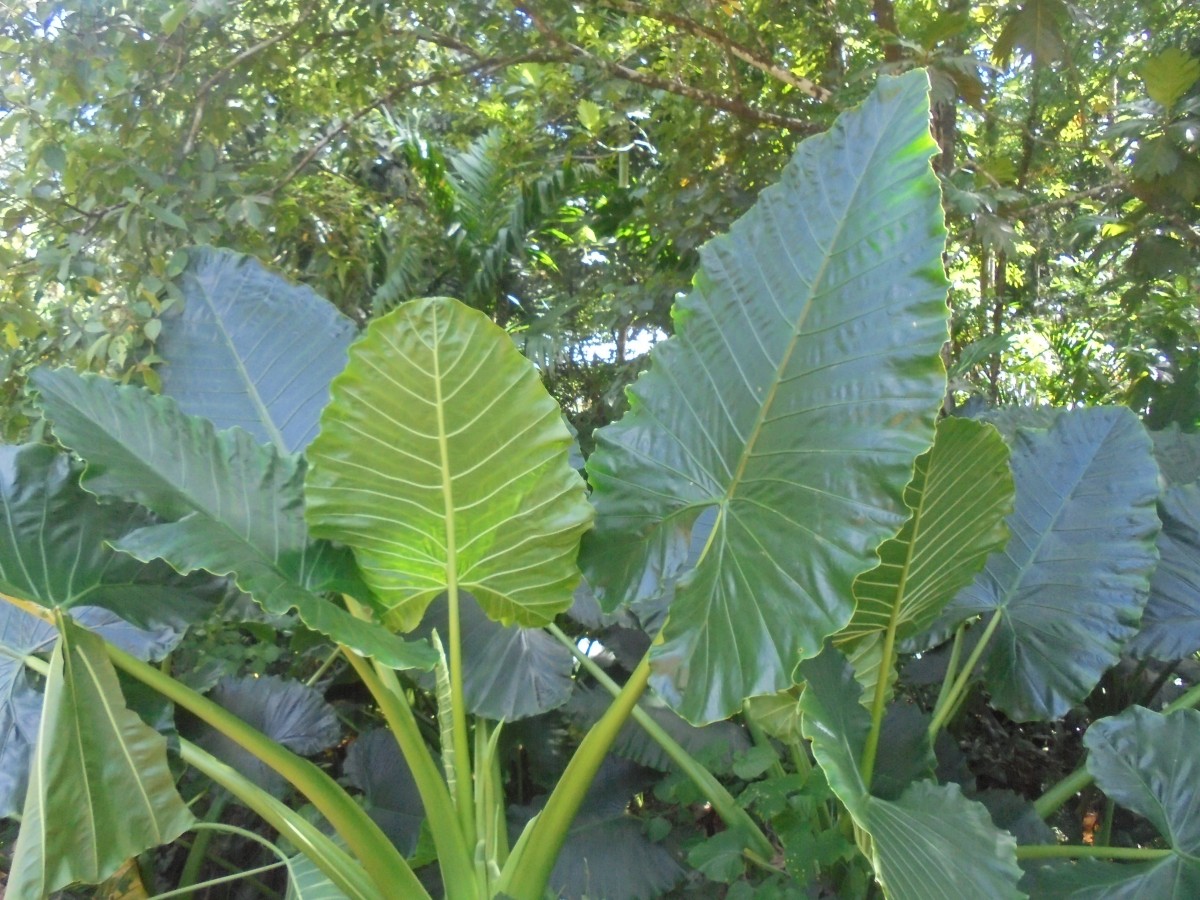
950, 701
199, 851
1049, 802
951, 665
454, 859
879, 701
378, 855
722, 801
527, 871
464, 788
338, 865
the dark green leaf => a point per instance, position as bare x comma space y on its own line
376, 766
801, 382
607, 853
1171, 622
250, 349
1177, 453
509, 672
1072, 582
289, 712
716, 743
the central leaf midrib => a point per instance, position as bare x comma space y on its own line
252, 389
444, 453
797, 333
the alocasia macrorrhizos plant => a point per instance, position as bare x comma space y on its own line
778, 505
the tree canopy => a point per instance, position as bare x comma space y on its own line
557, 164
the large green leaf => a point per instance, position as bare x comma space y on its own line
1171, 623
101, 790
1147, 762
443, 462
237, 504
959, 495
55, 545
252, 350
802, 380
928, 843
22, 635
1072, 581
1177, 453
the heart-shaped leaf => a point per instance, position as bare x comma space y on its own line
802, 380
1072, 581
252, 350
443, 462
509, 672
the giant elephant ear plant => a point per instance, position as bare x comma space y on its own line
779, 510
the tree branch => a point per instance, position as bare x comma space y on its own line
745, 54
189, 143
487, 65
726, 104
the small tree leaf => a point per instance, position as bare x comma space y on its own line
1169, 75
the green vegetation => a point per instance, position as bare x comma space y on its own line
396, 595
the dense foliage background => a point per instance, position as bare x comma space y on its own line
557, 164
